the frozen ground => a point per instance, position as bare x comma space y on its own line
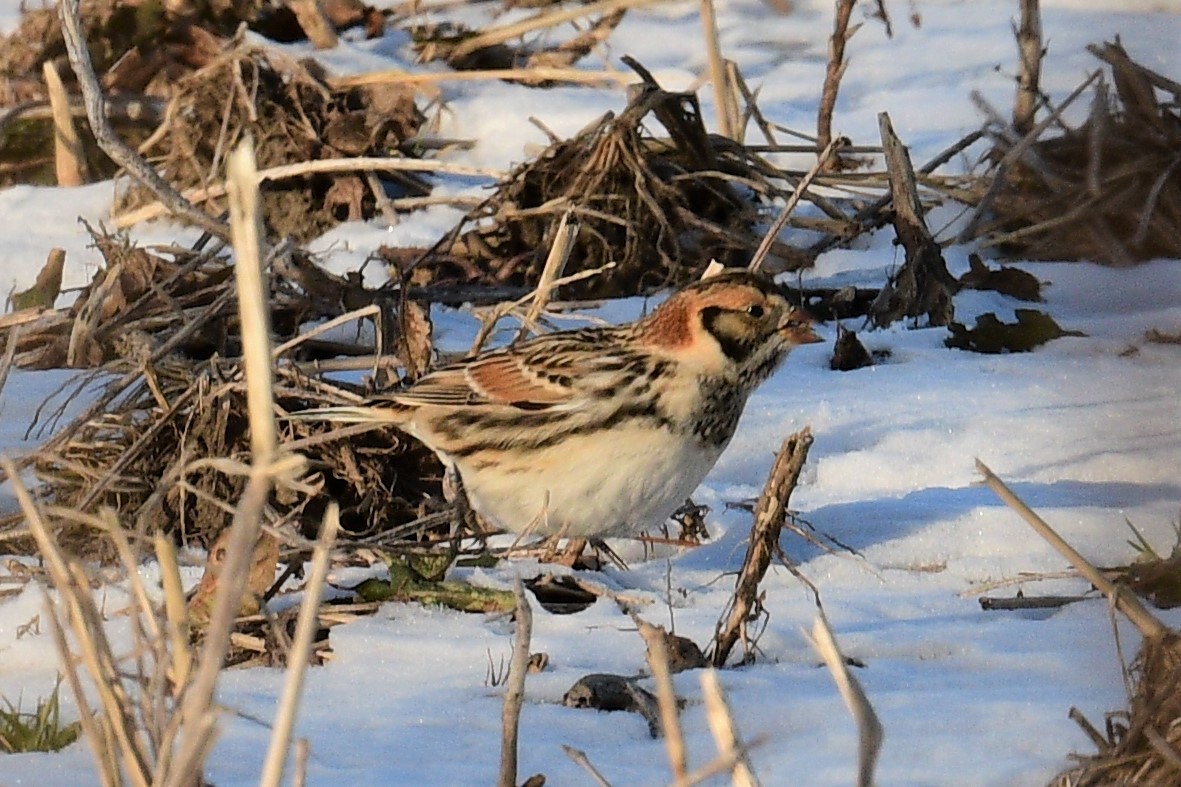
1087, 430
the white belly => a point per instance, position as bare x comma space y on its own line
591, 485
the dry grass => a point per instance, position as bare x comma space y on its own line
295, 116
155, 722
1142, 745
1108, 190
155, 327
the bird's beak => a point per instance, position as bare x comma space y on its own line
798, 330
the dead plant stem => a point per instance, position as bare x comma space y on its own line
797, 194
199, 715
723, 99
869, 727
555, 267
1127, 603
770, 514
253, 311
175, 610
319, 166
119, 151
514, 694
834, 70
1029, 48
68, 156
581, 760
314, 23
300, 652
666, 700
96, 726
545, 73
721, 725
540, 21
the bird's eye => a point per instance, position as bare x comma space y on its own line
755, 310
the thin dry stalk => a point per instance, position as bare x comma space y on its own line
100, 662
301, 649
572, 76
319, 166
68, 156
770, 515
725, 732
666, 699
1029, 47
302, 751
726, 107
579, 757
555, 266
372, 311
723, 763
247, 233
514, 694
1126, 602
9, 355
175, 611
797, 194
105, 754
199, 715
108, 747
834, 70
869, 728
501, 310
119, 151
360, 163
499, 35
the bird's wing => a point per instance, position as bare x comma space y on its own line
553, 371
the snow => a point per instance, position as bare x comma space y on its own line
1086, 429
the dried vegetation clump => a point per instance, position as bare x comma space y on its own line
1140, 745
160, 445
657, 208
293, 115
1108, 190
142, 46
182, 88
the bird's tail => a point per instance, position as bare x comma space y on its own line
359, 414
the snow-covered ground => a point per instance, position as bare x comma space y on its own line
1086, 429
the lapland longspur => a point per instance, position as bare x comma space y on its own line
599, 431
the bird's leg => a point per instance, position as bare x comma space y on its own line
463, 516
568, 556
602, 549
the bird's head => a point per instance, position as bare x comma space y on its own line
735, 323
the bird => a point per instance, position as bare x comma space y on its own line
599, 431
